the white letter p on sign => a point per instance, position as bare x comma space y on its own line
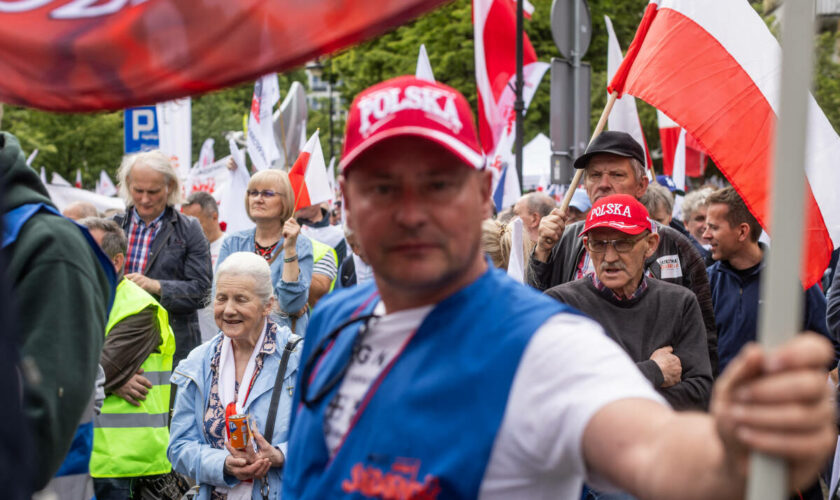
142, 120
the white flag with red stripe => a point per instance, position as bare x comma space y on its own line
78, 182
309, 175
733, 115
262, 146
624, 116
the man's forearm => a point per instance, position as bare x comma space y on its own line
659, 454
688, 451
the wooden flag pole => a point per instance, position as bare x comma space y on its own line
602, 122
781, 292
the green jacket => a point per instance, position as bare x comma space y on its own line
62, 297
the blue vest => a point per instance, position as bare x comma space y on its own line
76, 461
427, 426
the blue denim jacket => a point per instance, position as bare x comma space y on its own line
189, 449
291, 297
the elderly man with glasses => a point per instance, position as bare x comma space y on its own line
657, 323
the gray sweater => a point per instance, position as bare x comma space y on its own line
675, 261
664, 314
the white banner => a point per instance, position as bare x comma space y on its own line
213, 178
175, 133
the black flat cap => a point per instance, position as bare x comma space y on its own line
611, 142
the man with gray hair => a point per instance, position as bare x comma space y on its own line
203, 207
168, 255
79, 210
531, 208
137, 360
614, 164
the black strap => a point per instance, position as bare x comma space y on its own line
278, 386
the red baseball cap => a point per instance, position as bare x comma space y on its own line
407, 106
618, 211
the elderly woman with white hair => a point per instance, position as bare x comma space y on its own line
168, 254
269, 202
249, 369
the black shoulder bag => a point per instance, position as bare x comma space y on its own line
294, 340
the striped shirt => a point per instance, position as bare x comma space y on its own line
327, 266
140, 238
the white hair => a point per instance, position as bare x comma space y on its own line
249, 265
157, 161
693, 201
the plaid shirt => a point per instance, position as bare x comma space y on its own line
140, 238
601, 287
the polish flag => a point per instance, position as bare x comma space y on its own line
78, 182
669, 135
309, 175
624, 116
679, 43
494, 25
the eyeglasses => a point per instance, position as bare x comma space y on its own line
319, 351
266, 193
622, 245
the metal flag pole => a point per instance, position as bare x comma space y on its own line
519, 104
781, 292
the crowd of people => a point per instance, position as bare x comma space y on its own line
385, 355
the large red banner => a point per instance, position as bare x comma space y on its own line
82, 55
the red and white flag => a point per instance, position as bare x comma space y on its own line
78, 182
669, 135
494, 25
309, 175
679, 43
624, 116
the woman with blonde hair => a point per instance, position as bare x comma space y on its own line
497, 240
269, 202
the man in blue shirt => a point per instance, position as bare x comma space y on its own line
735, 277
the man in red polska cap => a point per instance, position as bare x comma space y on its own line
443, 378
657, 323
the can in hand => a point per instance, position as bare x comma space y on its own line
239, 431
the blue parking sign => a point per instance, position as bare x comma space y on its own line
141, 129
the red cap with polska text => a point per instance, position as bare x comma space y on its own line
408, 106
621, 212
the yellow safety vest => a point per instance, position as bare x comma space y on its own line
319, 250
130, 441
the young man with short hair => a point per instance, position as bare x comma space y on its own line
735, 277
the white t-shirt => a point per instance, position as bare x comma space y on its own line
570, 370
